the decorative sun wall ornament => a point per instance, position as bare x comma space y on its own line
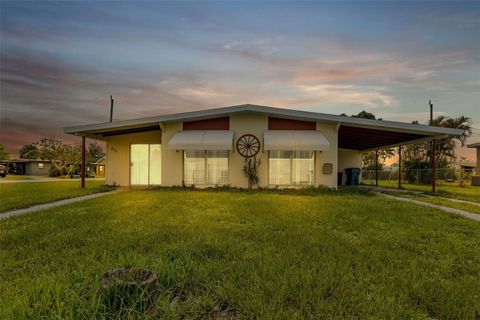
248, 145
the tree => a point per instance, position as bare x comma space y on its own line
420, 154
63, 157
3, 153
368, 158
365, 115
250, 168
69, 158
94, 153
29, 151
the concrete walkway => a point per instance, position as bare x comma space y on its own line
389, 190
464, 213
454, 200
382, 189
49, 205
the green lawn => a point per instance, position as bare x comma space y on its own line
226, 254
14, 177
444, 189
21, 195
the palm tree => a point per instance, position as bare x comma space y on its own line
461, 122
420, 155
445, 147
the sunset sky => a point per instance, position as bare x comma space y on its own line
60, 61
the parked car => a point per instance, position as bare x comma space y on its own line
3, 171
12, 170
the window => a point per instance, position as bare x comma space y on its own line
291, 168
194, 167
217, 167
145, 164
40, 166
205, 167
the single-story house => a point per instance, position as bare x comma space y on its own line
476, 177
209, 147
30, 167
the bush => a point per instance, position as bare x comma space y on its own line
54, 172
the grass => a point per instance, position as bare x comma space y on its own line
240, 255
22, 195
444, 189
14, 177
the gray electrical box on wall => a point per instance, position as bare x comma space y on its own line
327, 168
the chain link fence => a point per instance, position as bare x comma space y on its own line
417, 176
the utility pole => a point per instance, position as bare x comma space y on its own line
111, 108
399, 167
434, 182
431, 110
82, 167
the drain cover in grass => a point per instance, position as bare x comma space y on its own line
128, 288
135, 277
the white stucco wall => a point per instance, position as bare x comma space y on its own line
118, 153
348, 159
240, 124
330, 131
256, 124
172, 160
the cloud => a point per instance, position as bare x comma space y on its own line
421, 117
201, 92
452, 19
372, 97
166, 58
256, 49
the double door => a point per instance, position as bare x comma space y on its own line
145, 164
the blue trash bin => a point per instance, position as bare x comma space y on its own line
353, 176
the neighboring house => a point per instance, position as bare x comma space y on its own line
30, 167
466, 166
476, 177
207, 148
97, 168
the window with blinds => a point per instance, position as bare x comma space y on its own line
291, 168
205, 167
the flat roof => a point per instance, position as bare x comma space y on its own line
367, 128
474, 145
24, 160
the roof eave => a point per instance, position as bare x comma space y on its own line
403, 143
473, 145
98, 128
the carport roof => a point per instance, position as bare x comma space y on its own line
354, 133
